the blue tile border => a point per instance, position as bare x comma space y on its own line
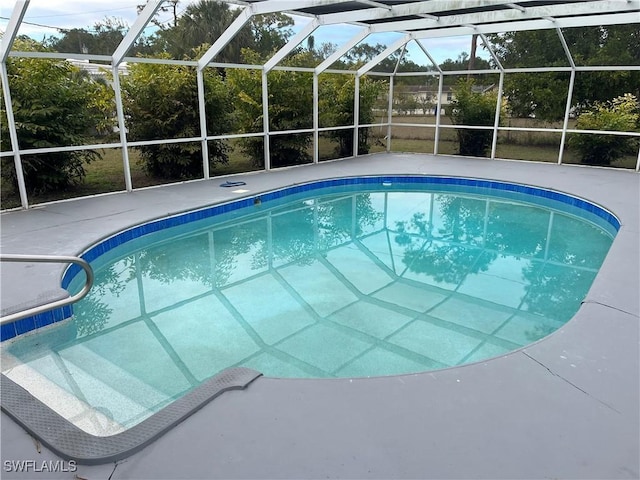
494, 188
7, 331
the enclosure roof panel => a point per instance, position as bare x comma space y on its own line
413, 20
443, 18
373, 12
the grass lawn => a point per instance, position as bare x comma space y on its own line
107, 175
540, 153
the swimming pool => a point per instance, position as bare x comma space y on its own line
350, 277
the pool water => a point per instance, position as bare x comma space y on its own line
346, 284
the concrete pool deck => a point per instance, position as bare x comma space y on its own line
565, 407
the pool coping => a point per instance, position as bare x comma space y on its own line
611, 296
69, 441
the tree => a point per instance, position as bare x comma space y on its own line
103, 39
541, 95
461, 64
269, 33
544, 94
473, 108
361, 54
203, 22
161, 101
54, 104
284, 114
364, 52
337, 106
620, 114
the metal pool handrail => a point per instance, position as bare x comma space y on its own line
55, 304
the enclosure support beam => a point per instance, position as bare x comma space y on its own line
352, 42
134, 32
122, 127
222, 41
438, 113
13, 136
5, 47
265, 120
6, 42
506, 16
356, 114
273, 6
129, 39
539, 24
496, 123
400, 57
565, 47
390, 112
407, 9
316, 119
384, 54
426, 52
203, 124
487, 45
567, 110
291, 44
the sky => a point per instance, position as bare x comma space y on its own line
44, 18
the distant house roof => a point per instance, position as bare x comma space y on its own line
97, 69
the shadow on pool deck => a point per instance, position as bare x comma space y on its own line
565, 407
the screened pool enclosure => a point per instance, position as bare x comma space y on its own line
487, 103
183, 90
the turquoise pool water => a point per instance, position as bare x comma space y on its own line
352, 281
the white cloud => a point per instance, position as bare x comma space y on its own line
445, 48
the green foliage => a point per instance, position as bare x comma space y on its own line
269, 33
161, 101
473, 108
364, 52
102, 39
54, 104
290, 108
545, 94
539, 95
337, 107
620, 114
202, 23
461, 64
361, 54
